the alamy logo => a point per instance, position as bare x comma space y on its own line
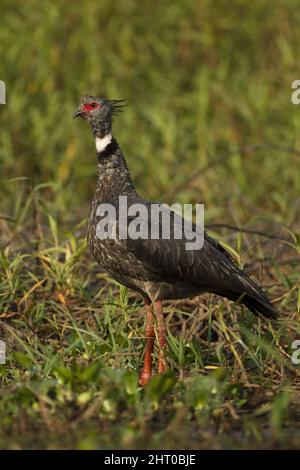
151, 221
2, 352
296, 353
2, 92
295, 96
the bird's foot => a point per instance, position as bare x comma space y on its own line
145, 377
161, 367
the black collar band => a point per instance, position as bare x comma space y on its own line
110, 149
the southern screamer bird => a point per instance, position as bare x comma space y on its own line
158, 268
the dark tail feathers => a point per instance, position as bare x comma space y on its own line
260, 307
252, 296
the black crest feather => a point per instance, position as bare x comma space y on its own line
117, 106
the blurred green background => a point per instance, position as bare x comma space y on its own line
200, 78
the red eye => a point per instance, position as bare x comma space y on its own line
91, 106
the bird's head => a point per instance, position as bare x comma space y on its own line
99, 113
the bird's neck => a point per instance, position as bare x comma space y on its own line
113, 175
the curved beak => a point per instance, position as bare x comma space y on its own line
78, 113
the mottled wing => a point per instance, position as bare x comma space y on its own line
211, 268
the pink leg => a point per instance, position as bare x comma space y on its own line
161, 334
150, 337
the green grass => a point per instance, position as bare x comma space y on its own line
201, 81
